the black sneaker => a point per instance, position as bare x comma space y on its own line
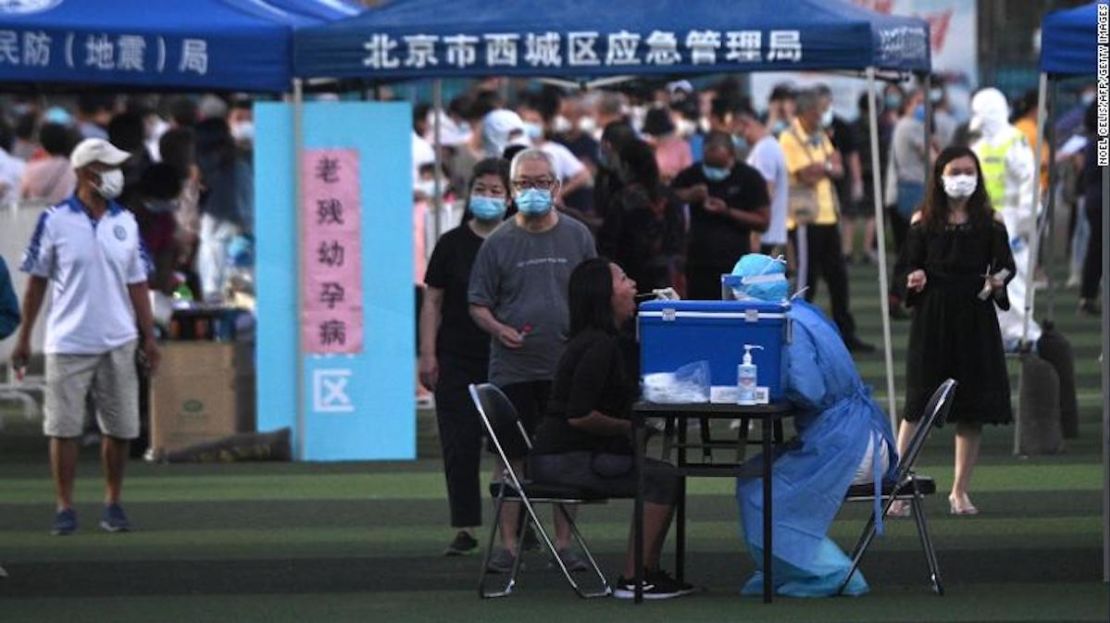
462, 544
657, 584
502, 561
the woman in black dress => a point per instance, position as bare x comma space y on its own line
955, 252
454, 352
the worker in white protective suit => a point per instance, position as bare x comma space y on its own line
1008, 168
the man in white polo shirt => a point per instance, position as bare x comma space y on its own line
88, 250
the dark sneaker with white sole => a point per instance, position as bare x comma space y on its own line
65, 522
114, 519
461, 545
574, 560
657, 584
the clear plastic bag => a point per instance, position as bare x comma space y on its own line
690, 383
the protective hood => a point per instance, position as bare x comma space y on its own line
762, 277
990, 113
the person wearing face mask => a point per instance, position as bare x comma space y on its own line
844, 439
241, 121
1008, 167
849, 188
780, 109
576, 179
957, 264
89, 250
518, 296
814, 164
728, 201
577, 136
910, 156
672, 152
454, 352
766, 157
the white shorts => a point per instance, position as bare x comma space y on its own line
114, 384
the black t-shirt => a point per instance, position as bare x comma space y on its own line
717, 239
449, 270
844, 140
584, 147
592, 376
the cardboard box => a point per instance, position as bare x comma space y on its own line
203, 391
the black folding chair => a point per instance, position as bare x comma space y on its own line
499, 415
907, 486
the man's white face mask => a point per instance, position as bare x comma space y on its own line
111, 183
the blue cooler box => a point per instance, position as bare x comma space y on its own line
675, 333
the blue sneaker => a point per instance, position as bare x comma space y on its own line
65, 522
114, 519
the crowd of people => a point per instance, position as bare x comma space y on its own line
673, 186
575, 205
188, 180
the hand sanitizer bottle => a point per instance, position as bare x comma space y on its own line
746, 377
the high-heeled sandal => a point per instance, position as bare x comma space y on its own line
954, 508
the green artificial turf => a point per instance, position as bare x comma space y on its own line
362, 541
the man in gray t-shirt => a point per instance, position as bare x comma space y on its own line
518, 294
521, 276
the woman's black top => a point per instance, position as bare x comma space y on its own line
591, 376
954, 333
449, 270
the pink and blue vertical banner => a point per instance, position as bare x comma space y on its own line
331, 217
342, 300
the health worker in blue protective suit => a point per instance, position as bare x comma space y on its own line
844, 439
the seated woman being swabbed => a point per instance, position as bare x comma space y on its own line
844, 439
584, 440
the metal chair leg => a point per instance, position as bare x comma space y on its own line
606, 589
493, 531
927, 544
857, 553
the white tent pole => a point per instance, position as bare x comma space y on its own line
437, 201
1035, 242
298, 227
880, 230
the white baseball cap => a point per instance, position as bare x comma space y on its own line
93, 150
501, 128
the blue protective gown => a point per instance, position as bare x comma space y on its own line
837, 419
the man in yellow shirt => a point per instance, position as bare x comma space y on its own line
813, 163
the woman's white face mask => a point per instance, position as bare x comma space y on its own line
959, 186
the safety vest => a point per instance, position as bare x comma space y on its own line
992, 163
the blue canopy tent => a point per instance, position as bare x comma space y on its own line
582, 38
242, 45
608, 41
318, 10
1068, 48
